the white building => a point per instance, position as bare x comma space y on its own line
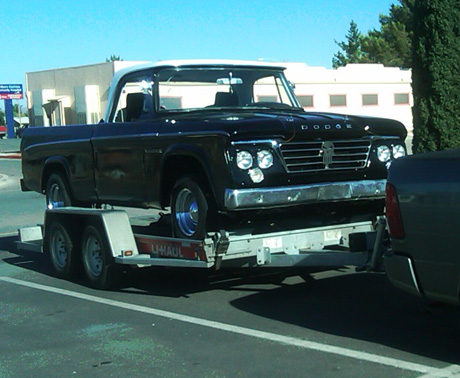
66, 96
79, 94
360, 89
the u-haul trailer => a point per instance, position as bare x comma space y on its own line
104, 242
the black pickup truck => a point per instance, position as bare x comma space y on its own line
216, 142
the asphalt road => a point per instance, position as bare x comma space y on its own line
175, 323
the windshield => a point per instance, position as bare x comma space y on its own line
186, 89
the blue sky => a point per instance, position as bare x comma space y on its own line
40, 35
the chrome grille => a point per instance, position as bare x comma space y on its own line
325, 155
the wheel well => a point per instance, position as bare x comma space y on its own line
178, 166
49, 170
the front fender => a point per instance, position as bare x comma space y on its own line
206, 161
54, 164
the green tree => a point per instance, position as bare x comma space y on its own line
435, 75
16, 111
113, 58
351, 48
2, 117
391, 45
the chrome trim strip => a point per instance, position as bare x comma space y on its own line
264, 198
256, 141
412, 273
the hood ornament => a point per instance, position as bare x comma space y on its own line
327, 153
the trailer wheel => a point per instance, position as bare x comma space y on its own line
98, 262
189, 208
57, 192
62, 250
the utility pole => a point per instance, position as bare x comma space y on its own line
19, 114
9, 118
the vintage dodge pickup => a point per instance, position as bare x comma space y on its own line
217, 142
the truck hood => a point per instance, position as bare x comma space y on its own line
292, 126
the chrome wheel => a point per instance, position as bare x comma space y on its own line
55, 197
190, 209
57, 192
187, 212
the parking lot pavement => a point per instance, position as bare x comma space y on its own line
11, 152
166, 322
10, 149
10, 145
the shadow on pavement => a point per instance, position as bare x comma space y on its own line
36, 262
364, 307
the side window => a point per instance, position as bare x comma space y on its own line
270, 89
135, 101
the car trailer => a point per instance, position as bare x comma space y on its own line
104, 242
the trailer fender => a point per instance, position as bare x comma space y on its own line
113, 224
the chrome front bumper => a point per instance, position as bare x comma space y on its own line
265, 198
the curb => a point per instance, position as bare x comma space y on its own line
11, 155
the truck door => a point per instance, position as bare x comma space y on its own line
119, 153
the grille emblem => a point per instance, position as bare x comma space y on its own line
327, 153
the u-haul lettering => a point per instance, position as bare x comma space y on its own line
167, 250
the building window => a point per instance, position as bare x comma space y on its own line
370, 99
401, 98
305, 101
338, 100
267, 98
171, 102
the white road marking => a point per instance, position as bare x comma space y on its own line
8, 234
450, 371
428, 371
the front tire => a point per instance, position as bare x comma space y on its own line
190, 210
57, 192
98, 262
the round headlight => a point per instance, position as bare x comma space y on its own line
256, 175
398, 151
383, 153
244, 160
264, 159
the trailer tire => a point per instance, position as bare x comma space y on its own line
57, 192
189, 208
62, 248
98, 262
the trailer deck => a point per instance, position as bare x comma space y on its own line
106, 238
